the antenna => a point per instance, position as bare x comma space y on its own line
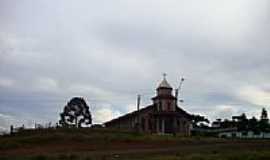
179, 89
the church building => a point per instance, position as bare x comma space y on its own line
164, 116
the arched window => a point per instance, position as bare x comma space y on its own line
160, 106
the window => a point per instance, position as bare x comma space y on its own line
149, 124
143, 124
178, 122
160, 106
168, 106
184, 123
160, 125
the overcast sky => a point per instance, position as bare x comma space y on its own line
110, 51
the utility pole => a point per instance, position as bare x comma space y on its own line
138, 112
138, 102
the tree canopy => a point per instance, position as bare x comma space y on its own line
242, 123
76, 113
198, 119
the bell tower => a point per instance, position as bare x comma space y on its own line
164, 100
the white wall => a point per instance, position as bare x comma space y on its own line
249, 134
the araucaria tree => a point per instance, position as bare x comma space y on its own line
76, 113
264, 121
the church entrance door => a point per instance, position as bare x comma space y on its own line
169, 125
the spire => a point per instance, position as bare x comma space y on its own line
164, 75
164, 83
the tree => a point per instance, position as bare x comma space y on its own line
197, 118
253, 125
226, 124
264, 115
241, 122
264, 121
76, 113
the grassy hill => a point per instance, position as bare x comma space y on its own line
105, 144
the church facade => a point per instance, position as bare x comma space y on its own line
164, 116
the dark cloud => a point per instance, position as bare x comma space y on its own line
109, 52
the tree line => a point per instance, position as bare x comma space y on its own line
242, 123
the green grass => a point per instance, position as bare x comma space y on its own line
98, 136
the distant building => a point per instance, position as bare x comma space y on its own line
164, 116
239, 127
244, 134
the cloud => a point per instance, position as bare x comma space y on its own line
110, 52
225, 111
46, 84
255, 95
6, 121
6, 82
104, 114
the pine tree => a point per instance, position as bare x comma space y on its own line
264, 121
264, 115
